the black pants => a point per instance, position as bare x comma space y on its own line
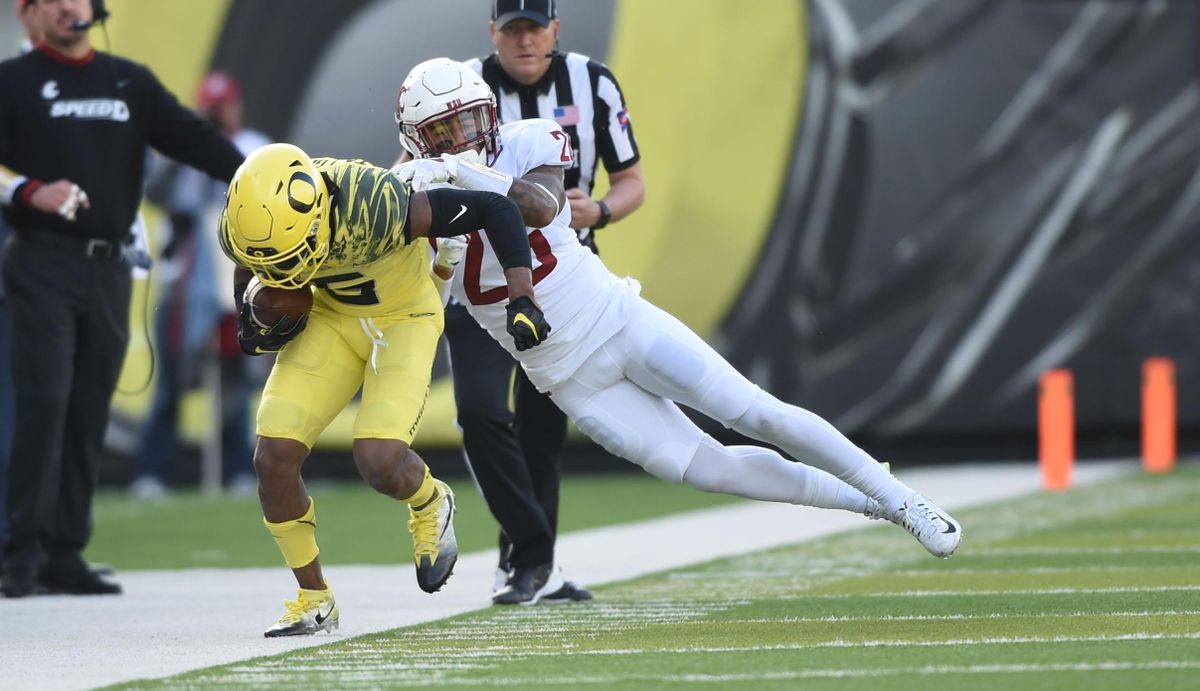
69, 315
515, 459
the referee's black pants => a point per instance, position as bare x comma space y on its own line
69, 314
515, 460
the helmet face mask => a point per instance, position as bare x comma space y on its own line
462, 129
276, 217
445, 108
295, 268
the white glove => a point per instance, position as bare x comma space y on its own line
450, 252
423, 172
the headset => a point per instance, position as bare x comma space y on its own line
99, 15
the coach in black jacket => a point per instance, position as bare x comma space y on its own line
74, 127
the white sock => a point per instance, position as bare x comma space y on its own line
810, 439
755, 472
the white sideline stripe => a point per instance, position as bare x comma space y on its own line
843, 643
1005, 640
1107, 666
886, 618
1028, 591
174, 621
1038, 551
509, 653
1038, 570
943, 574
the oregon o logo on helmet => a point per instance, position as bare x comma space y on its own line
302, 192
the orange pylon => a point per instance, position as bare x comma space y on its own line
1056, 428
1158, 415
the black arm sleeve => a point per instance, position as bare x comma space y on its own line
455, 212
185, 136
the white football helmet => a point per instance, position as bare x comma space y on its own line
445, 108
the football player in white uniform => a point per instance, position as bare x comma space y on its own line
618, 365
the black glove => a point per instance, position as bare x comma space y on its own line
526, 323
256, 340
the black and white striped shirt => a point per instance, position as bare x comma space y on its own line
583, 97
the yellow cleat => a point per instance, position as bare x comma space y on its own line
435, 549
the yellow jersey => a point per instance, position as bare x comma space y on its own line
371, 269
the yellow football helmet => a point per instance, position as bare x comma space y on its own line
277, 216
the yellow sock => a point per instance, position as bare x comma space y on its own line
297, 538
424, 493
316, 594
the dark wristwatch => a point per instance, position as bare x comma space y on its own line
605, 215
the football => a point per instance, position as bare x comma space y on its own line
268, 305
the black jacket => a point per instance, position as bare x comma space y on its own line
89, 121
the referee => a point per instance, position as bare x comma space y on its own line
515, 459
72, 149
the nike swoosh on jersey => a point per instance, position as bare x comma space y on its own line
418, 315
462, 209
522, 319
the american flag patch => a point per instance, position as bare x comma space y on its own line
623, 119
566, 115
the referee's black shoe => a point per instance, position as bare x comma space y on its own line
524, 586
569, 592
72, 576
19, 578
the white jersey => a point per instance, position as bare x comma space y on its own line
583, 302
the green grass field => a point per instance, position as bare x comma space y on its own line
357, 526
1097, 588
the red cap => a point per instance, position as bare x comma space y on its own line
217, 87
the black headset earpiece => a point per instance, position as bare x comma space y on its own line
99, 14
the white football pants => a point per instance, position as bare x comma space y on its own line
624, 397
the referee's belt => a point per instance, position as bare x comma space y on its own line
94, 248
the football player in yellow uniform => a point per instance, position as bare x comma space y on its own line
354, 235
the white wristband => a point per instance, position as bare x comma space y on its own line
473, 176
9, 182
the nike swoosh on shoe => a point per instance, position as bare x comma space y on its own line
450, 501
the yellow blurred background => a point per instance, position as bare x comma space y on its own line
715, 127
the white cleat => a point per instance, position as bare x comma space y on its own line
876, 511
933, 528
310, 612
